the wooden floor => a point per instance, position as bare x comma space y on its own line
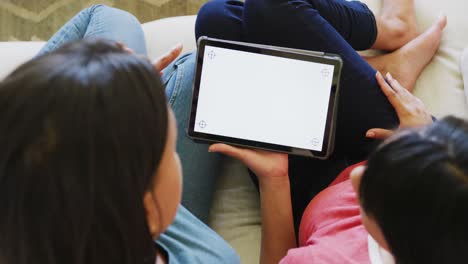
39, 19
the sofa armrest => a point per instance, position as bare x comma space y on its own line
162, 35
13, 54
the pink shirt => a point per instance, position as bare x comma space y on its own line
331, 230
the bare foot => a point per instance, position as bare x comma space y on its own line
396, 24
407, 63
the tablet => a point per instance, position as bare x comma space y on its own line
265, 97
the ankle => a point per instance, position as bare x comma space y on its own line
398, 32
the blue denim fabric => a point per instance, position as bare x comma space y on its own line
187, 240
200, 168
353, 20
100, 21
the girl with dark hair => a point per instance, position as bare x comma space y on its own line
89, 171
414, 195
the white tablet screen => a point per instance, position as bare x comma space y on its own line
263, 98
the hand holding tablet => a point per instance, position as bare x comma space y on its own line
265, 97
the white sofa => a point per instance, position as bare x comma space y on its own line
440, 86
235, 213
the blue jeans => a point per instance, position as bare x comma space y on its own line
100, 22
187, 240
332, 26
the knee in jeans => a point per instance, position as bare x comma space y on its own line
221, 19
208, 17
122, 15
93, 8
274, 8
212, 9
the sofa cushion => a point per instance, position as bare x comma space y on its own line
464, 69
163, 34
160, 35
15, 53
440, 86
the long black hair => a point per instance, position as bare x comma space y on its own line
82, 131
416, 188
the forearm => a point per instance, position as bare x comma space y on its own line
277, 220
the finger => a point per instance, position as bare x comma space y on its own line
166, 59
129, 50
228, 150
392, 95
394, 83
120, 45
125, 48
402, 91
385, 87
379, 133
404, 96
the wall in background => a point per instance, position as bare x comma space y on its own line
39, 19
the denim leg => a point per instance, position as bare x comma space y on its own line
100, 21
222, 19
200, 168
353, 20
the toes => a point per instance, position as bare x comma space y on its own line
442, 22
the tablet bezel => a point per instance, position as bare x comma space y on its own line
318, 57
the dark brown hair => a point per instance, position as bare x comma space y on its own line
416, 188
82, 132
